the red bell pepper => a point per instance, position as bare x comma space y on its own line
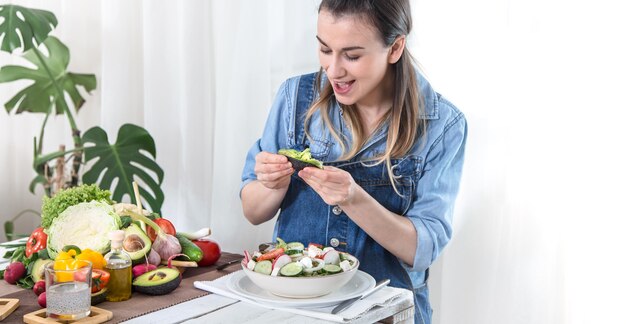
37, 241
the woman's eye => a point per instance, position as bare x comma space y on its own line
352, 58
325, 51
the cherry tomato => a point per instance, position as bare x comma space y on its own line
211, 252
165, 225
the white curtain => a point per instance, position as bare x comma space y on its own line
539, 220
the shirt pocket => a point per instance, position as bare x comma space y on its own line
406, 172
320, 147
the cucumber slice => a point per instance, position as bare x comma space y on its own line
295, 246
264, 267
332, 269
293, 252
291, 269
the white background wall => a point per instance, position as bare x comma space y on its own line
539, 221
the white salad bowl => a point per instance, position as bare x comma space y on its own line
302, 287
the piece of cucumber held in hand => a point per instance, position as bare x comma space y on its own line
300, 160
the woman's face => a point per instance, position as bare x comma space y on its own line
355, 60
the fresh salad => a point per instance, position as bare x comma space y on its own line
295, 260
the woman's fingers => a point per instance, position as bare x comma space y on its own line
332, 184
273, 170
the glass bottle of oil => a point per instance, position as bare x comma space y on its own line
119, 265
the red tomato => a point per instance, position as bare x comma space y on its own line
164, 224
99, 279
211, 252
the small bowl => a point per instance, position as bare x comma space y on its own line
301, 287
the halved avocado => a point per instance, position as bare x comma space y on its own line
160, 281
300, 160
136, 243
99, 296
37, 272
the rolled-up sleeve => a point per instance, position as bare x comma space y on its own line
437, 189
274, 135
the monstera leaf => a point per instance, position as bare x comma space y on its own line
126, 160
51, 81
34, 25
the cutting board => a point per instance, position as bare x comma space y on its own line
98, 315
7, 306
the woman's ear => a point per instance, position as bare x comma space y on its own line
396, 49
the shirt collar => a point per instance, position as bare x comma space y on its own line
428, 96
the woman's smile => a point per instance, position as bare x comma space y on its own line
342, 87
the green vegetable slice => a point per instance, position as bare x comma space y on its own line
332, 268
291, 269
264, 267
295, 246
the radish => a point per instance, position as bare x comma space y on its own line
331, 257
281, 261
246, 257
140, 269
251, 264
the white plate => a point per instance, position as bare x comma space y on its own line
240, 284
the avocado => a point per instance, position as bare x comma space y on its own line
38, 272
136, 243
159, 281
99, 296
300, 160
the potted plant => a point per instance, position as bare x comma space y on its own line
55, 90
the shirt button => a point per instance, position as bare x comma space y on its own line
337, 210
334, 242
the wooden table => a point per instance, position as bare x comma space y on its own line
214, 308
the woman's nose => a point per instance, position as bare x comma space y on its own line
334, 69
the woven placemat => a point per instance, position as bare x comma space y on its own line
139, 304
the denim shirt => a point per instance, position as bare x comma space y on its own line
432, 171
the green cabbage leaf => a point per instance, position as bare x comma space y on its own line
85, 225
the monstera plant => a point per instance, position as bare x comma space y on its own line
53, 89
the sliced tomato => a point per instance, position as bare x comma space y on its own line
99, 280
164, 224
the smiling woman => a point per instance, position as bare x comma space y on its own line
541, 82
390, 180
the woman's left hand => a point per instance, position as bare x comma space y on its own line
334, 185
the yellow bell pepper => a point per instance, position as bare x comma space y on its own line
97, 260
70, 261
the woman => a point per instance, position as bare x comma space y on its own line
392, 150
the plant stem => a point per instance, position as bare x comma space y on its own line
78, 144
43, 126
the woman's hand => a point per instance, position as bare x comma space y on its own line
334, 185
273, 170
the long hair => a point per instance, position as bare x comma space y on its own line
391, 18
